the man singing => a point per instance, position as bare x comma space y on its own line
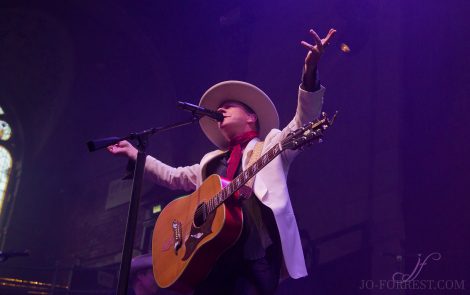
270, 236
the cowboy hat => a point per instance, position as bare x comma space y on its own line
243, 92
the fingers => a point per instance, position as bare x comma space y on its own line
113, 148
118, 147
307, 45
319, 43
330, 34
317, 39
123, 148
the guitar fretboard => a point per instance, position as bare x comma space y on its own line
242, 178
294, 140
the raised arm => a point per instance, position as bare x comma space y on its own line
310, 95
310, 79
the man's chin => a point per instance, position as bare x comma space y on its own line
225, 132
223, 126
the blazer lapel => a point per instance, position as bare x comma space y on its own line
207, 159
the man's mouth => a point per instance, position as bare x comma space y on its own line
221, 122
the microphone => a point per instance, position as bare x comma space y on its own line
200, 111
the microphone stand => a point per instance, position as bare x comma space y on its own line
142, 141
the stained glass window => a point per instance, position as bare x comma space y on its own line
5, 169
5, 159
5, 130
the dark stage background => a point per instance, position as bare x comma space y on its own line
389, 182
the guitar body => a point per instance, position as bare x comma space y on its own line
198, 244
193, 231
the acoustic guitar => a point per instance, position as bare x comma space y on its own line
193, 231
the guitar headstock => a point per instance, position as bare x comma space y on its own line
308, 134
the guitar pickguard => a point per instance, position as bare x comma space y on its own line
197, 234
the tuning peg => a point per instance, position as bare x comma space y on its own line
330, 121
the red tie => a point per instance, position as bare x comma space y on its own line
236, 146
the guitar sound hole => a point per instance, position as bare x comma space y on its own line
201, 215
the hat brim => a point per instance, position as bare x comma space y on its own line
245, 93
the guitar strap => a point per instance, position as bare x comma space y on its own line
284, 274
254, 157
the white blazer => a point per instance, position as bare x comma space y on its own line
270, 183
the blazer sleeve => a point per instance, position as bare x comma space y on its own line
181, 178
309, 105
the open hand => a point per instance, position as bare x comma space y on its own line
316, 51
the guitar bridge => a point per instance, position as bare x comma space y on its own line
177, 235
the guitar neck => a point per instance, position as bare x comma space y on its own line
312, 131
243, 177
